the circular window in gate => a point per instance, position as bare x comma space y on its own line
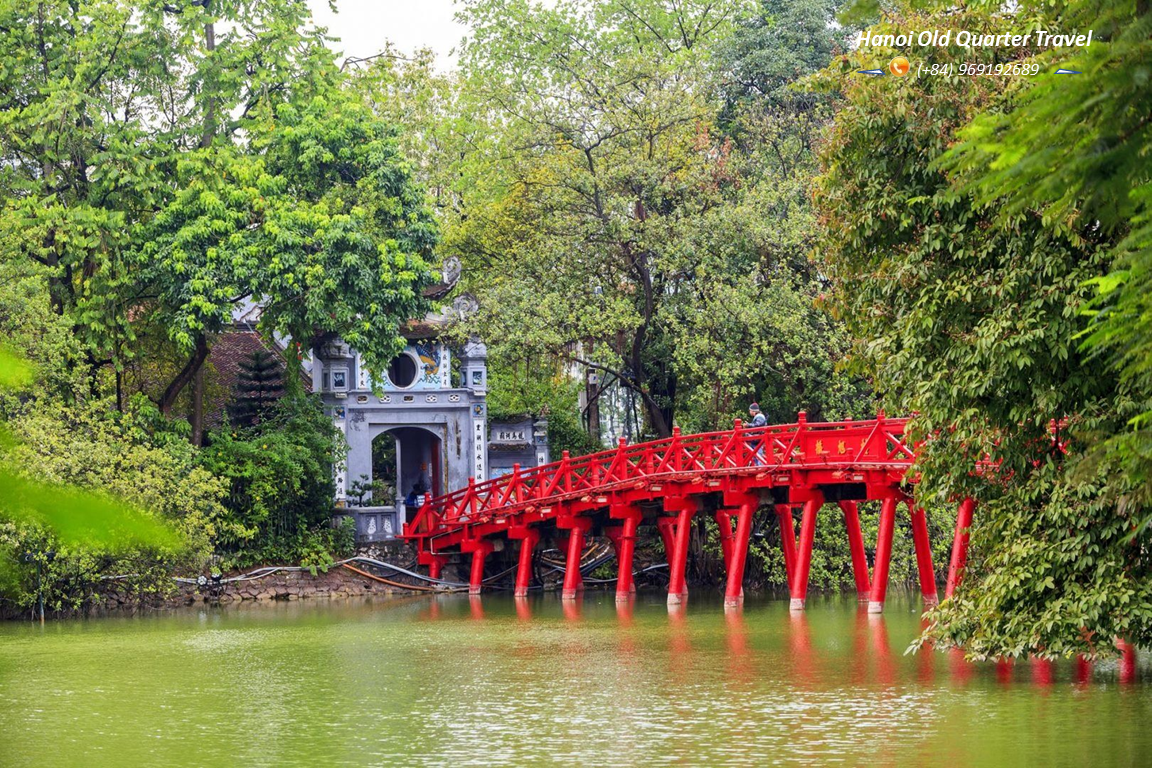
402, 370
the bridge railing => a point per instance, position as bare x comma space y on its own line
877, 441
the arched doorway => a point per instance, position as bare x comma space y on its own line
408, 461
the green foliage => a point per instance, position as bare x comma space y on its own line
166, 163
15, 371
133, 456
968, 313
279, 474
35, 333
628, 185
316, 220
160, 165
108, 495
517, 389
1079, 152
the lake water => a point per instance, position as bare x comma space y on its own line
449, 680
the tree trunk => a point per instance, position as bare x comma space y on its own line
592, 398
186, 375
197, 419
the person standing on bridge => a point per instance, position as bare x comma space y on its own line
758, 419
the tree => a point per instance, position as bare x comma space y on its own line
627, 214
71, 506
164, 169
1079, 152
280, 483
968, 314
259, 384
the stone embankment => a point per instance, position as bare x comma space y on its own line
337, 582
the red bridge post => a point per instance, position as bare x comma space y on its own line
883, 555
625, 549
856, 546
923, 554
576, 527
787, 540
804, 560
734, 590
529, 538
959, 547
434, 562
678, 560
480, 549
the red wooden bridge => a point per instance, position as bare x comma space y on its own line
727, 475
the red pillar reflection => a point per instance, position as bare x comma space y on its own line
858, 673
523, 608
1083, 671
881, 649
926, 658
1004, 671
679, 644
739, 657
960, 668
625, 609
800, 644
573, 607
1042, 672
476, 607
1127, 662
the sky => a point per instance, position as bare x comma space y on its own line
364, 25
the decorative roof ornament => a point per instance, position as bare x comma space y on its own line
450, 272
465, 305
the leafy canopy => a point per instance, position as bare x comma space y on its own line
966, 303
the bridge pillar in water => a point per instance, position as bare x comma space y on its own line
745, 508
923, 554
883, 555
577, 527
856, 546
624, 539
787, 540
529, 538
799, 584
959, 547
678, 558
434, 562
480, 549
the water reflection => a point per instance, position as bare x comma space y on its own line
573, 607
453, 679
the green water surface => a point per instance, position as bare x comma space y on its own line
456, 681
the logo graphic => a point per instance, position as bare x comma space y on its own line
899, 66
873, 72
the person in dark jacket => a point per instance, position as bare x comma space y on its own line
757, 443
758, 419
